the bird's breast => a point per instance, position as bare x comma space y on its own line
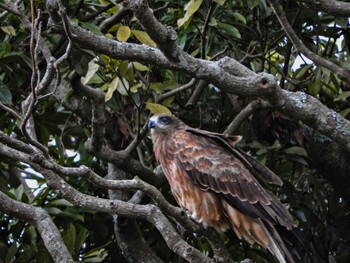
203, 206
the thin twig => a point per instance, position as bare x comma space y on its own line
220, 53
10, 10
11, 111
245, 113
28, 108
116, 18
197, 93
92, 16
177, 90
203, 32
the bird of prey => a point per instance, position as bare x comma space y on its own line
219, 185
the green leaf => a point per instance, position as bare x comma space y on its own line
92, 27
5, 95
123, 34
140, 67
82, 65
10, 257
231, 30
190, 8
92, 69
104, 2
220, 2
342, 21
5, 48
9, 30
157, 87
123, 86
239, 18
296, 150
81, 237
17, 192
63, 202
53, 210
96, 256
136, 87
157, 108
112, 88
144, 38
73, 214
301, 74
345, 112
253, 3
69, 238
315, 86
343, 95
213, 22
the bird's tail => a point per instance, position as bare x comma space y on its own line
255, 230
277, 246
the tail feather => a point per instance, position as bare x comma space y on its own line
255, 230
277, 245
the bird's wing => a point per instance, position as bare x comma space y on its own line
214, 167
262, 173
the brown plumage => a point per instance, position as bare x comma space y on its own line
218, 184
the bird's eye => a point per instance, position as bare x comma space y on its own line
165, 119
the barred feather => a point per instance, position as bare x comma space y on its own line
219, 185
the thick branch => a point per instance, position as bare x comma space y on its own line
312, 112
165, 37
83, 171
130, 238
42, 222
128, 164
332, 7
255, 85
149, 212
208, 70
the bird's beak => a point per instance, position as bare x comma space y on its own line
151, 124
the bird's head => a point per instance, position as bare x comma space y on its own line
163, 123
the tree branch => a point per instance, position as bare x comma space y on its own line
42, 222
149, 212
342, 73
255, 85
332, 7
245, 113
175, 91
129, 237
123, 10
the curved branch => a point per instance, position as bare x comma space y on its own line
42, 222
40, 164
165, 37
151, 213
116, 18
83, 171
245, 113
312, 112
10, 111
130, 238
175, 91
250, 85
342, 73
